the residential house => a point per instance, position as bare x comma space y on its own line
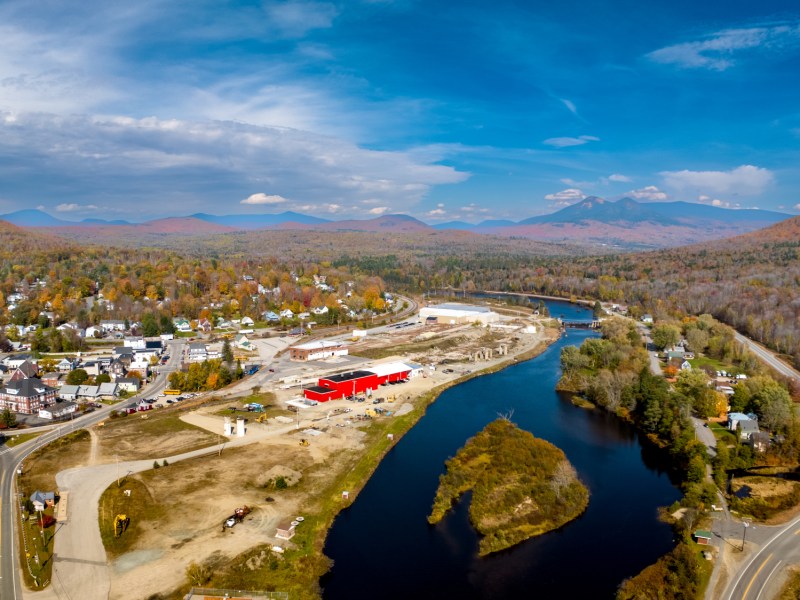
108, 390
69, 392
59, 410
271, 316
118, 368
89, 392
241, 342
14, 361
65, 365
92, 367
137, 343
647, 318
54, 379
247, 322
42, 500
760, 441
25, 371
747, 428
112, 325
204, 325
287, 314
26, 396
198, 352
93, 332
182, 325
320, 310
686, 366
123, 352
735, 417
128, 384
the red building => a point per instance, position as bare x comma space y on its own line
342, 385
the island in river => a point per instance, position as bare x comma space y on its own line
521, 486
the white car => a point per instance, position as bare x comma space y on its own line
230, 522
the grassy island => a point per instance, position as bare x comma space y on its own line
522, 486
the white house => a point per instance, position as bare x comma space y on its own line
247, 322
112, 325
58, 410
93, 332
287, 314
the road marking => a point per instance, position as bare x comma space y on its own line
749, 585
761, 591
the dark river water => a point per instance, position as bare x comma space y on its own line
383, 547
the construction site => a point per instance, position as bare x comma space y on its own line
261, 481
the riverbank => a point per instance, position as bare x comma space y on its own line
343, 457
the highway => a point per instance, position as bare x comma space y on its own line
12, 458
768, 357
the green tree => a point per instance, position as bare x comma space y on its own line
227, 352
77, 377
8, 418
665, 335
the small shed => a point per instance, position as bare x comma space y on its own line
285, 530
702, 537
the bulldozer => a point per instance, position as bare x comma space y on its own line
304, 442
121, 523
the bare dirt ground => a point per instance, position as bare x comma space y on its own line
198, 494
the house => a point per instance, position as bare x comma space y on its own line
320, 310
686, 366
89, 392
54, 379
760, 441
117, 369
112, 325
59, 410
247, 322
42, 500
123, 351
128, 384
65, 365
198, 352
25, 371
271, 316
69, 392
241, 342
734, 418
317, 350
647, 318
747, 428
204, 325
182, 325
12, 362
285, 530
94, 332
287, 314
303, 316
108, 390
26, 396
92, 367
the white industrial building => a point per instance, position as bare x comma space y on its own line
453, 313
317, 350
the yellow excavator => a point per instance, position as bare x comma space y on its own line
121, 523
304, 442
262, 418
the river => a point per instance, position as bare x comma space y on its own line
383, 547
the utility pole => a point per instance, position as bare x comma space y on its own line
744, 532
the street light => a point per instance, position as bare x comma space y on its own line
744, 532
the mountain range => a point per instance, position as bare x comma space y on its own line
625, 223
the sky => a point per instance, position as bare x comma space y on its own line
354, 109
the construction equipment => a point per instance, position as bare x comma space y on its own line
262, 418
240, 513
121, 523
304, 442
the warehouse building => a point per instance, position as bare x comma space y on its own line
352, 383
317, 350
453, 313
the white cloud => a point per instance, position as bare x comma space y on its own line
74, 207
703, 199
570, 105
649, 192
160, 165
617, 178
262, 198
436, 212
378, 210
796, 207
716, 51
747, 180
564, 142
566, 197
295, 18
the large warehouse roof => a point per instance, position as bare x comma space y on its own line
390, 368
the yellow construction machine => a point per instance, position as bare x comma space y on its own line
121, 523
304, 442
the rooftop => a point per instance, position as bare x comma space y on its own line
340, 377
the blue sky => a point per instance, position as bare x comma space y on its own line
469, 111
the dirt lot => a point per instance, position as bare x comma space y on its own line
179, 509
41, 467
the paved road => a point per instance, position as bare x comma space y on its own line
12, 458
756, 577
769, 357
705, 435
